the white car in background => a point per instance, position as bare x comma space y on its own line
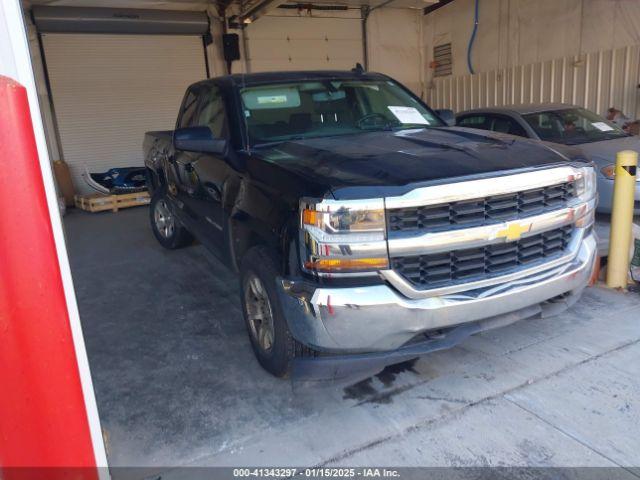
599, 138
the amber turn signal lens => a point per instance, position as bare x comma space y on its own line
350, 264
609, 171
309, 217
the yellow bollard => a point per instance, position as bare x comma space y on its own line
624, 187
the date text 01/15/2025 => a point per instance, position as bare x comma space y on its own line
320, 472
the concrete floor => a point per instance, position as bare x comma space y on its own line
177, 383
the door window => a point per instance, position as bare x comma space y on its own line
474, 121
505, 124
189, 108
212, 113
495, 123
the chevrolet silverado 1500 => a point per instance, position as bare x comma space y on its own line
364, 230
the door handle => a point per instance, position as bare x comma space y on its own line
183, 163
188, 166
213, 190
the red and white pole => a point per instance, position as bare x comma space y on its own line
48, 414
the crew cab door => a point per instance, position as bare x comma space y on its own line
182, 180
208, 172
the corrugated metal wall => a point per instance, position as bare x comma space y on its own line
595, 81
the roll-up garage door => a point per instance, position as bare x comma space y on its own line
305, 43
108, 90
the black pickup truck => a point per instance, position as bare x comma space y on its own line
366, 231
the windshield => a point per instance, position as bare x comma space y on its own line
572, 126
279, 112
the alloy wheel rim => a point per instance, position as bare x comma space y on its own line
165, 223
259, 313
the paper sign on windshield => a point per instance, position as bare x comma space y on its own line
603, 127
408, 115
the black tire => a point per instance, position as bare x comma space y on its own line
171, 237
260, 263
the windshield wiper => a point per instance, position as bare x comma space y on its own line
612, 135
387, 127
411, 126
598, 137
277, 142
575, 141
267, 144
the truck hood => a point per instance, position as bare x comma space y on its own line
384, 163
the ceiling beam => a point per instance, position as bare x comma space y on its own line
259, 10
380, 5
436, 6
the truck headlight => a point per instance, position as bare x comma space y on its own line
344, 220
586, 183
343, 236
586, 190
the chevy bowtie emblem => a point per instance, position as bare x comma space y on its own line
513, 232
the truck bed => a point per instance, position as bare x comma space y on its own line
156, 144
156, 139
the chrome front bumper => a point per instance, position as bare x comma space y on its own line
380, 318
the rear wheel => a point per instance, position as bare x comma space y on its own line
272, 342
166, 227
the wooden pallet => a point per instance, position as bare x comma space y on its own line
99, 203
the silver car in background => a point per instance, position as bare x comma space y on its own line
598, 138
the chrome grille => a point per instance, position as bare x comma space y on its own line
467, 265
481, 211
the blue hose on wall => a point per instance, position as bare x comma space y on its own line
472, 39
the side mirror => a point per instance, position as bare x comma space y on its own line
198, 139
447, 116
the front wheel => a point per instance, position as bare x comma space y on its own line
166, 227
272, 342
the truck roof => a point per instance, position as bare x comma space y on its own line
521, 109
243, 79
